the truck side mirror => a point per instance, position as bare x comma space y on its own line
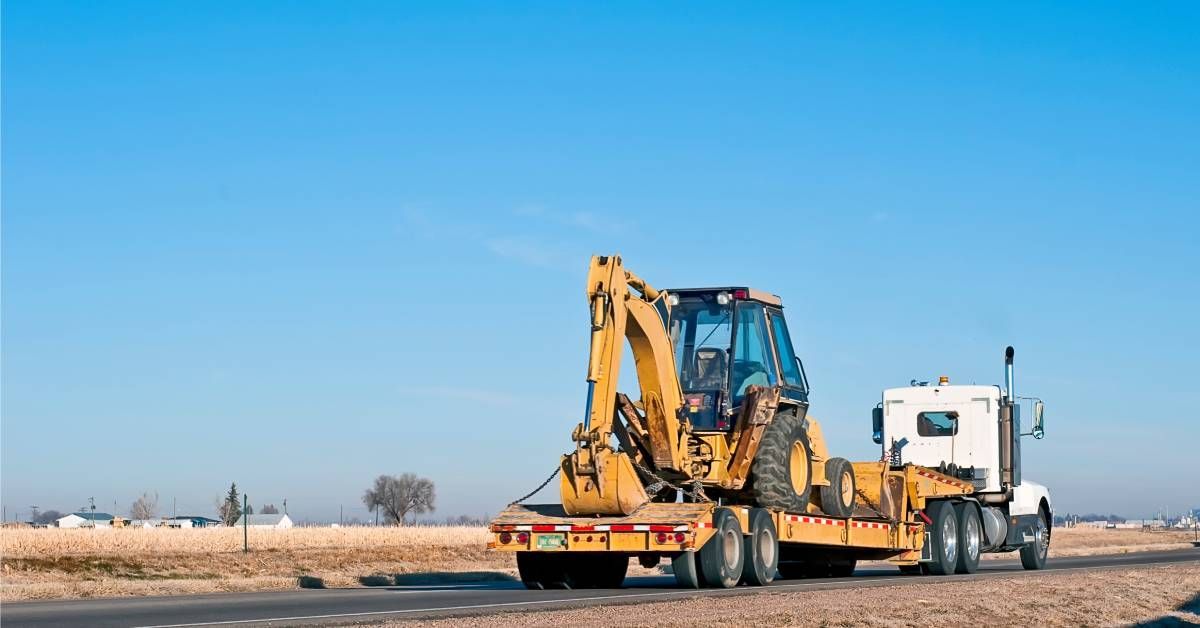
877, 425
1039, 428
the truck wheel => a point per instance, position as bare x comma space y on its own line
781, 474
943, 538
837, 499
970, 537
1033, 555
687, 571
842, 568
761, 549
601, 570
721, 558
542, 571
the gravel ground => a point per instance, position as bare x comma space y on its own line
1082, 598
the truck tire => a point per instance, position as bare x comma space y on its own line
539, 570
722, 557
843, 567
970, 537
686, 568
837, 499
943, 538
1033, 555
761, 549
781, 473
601, 570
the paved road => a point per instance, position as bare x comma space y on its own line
314, 607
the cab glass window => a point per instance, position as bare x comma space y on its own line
937, 423
753, 364
787, 355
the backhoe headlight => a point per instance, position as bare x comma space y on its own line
723, 298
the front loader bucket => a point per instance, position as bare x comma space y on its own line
620, 493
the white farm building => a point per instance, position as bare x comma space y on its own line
265, 521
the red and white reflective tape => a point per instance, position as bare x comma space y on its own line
817, 520
870, 524
940, 478
704, 524
600, 528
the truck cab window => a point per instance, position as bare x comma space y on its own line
937, 423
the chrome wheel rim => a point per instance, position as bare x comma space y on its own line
972, 530
950, 539
1041, 538
766, 549
731, 544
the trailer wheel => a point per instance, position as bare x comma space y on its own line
687, 571
601, 570
541, 571
842, 568
910, 570
781, 473
791, 570
761, 549
943, 538
1033, 555
721, 558
837, 499
970, 537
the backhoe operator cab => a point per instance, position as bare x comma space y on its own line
726, 340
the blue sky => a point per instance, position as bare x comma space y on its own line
300, 245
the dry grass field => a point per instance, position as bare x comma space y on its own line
56, 563
1167, 594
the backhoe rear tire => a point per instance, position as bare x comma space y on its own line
837, 499
722, 557
781, 474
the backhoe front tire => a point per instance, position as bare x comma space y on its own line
781, 474
722, 557
837, 499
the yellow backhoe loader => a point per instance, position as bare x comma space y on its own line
723, 414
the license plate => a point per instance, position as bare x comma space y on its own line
551, 541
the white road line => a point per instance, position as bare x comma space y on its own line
837, 584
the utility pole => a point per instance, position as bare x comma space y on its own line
285, 506
341, 519
174, 512
92, 501
245, 524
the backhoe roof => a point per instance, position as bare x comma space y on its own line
754, 295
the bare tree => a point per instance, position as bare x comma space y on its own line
47, 517
145, 507
269, 509
397, 496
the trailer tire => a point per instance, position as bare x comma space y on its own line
687, 572
761, 549
1033, 555
791, 570
837, 499
722, 557
601, 570
542, 571
943, 538
781, 473
970, 537
842, 568
910, 570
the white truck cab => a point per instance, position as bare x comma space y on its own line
972, 433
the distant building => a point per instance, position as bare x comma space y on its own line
85, 520
279, 521
192, 521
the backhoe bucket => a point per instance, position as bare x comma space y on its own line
621, 491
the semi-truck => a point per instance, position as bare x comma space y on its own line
720, 471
